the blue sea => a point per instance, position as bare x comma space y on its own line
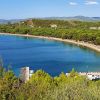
51, 56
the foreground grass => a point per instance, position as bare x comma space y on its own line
42, 86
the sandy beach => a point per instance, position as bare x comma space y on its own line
79, 43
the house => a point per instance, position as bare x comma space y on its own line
98, 28
53, 26
93, 76
89, 75
93, 28
32, 26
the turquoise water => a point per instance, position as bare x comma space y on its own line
53, 57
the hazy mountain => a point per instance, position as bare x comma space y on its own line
80, 18
3, 21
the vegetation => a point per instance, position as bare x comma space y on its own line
76, 30
42, 86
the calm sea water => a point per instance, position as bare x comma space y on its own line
51, 56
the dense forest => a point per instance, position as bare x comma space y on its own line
42, 86
76, 30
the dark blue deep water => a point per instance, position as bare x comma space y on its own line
51, 56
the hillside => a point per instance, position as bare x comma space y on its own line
75, 30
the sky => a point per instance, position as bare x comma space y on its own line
20, 9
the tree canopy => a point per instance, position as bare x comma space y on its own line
76, 30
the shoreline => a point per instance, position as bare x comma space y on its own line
79, 43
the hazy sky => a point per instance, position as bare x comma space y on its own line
12, 9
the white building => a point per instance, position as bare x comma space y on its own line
32, 26
93, 28
93, 76
26, 73
53, 26
98, 28
31, 73
89, 75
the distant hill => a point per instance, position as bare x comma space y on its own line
79, 18
3, 21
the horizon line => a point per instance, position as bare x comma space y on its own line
46, 17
